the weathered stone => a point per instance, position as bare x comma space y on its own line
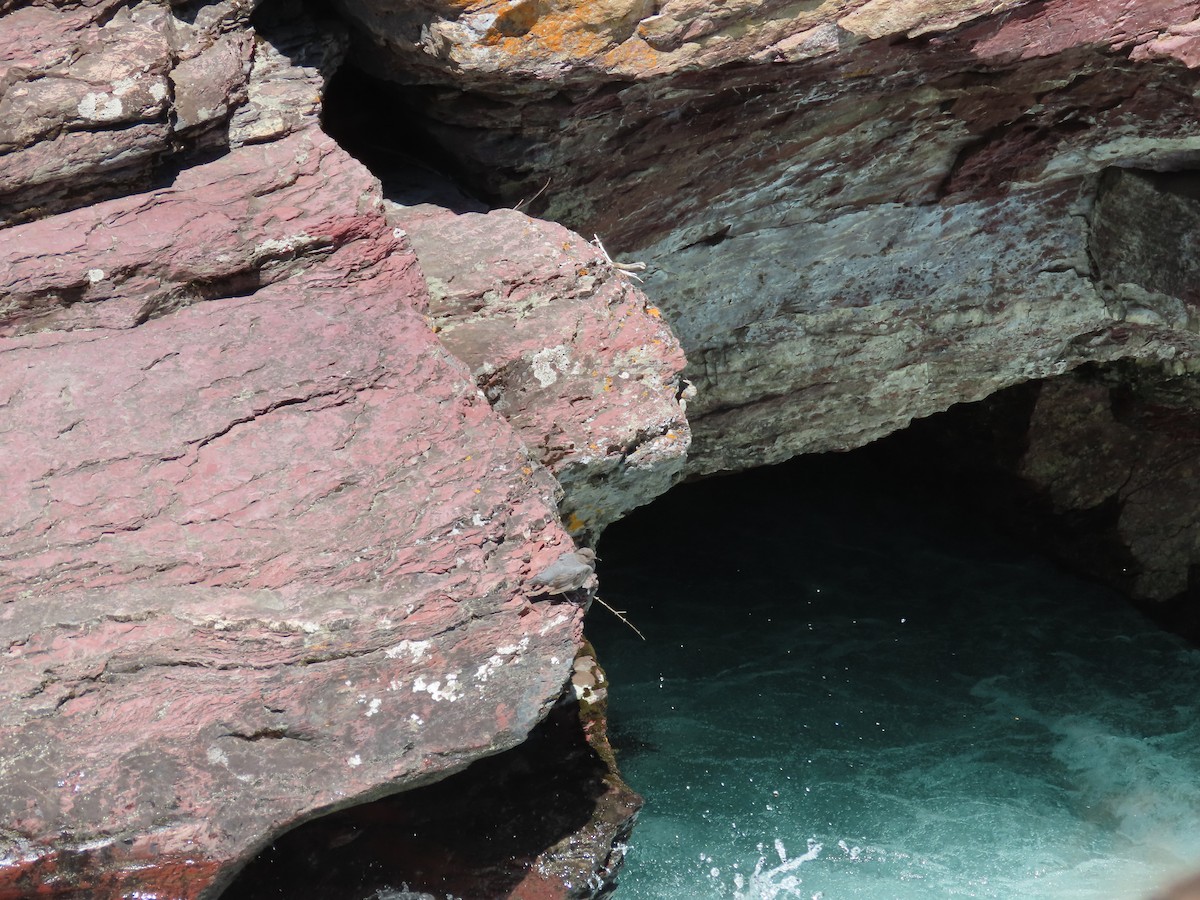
293, 60
566, 347
94, 99
263, 557
1145, 227
208, 84
854, 213
1134, 444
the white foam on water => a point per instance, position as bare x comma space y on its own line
1147, 788
942, 727
779, 881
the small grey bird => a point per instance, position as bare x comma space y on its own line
569, 572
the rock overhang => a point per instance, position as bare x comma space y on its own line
853, 214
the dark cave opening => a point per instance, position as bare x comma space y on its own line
372, 120
860, 651
973, 463
947, 523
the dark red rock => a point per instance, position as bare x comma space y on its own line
97, 99
547, 820
264, 556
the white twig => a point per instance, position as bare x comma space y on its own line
620, 614
535, 196
623, 268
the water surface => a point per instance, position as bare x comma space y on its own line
849, 691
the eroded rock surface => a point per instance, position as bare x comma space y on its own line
854, 213
524, 824
1128, 442
99, 98
565, 347
264, 556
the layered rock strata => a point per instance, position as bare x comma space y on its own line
867, 221
854, 213
264, 555
267, 551
99, 99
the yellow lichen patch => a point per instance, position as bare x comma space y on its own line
653, 311
634, 56
572, 30
518, 18
608, 383
575, 524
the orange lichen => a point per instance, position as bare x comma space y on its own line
575, 524
545, 30
634, 55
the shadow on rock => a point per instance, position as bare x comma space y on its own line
544, 821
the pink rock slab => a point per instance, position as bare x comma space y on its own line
261, 556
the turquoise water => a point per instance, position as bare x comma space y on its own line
846, 695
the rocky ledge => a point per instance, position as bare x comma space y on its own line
268, 551
287, 462
855, 213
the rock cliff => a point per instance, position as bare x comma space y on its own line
853, 214
286, 456
268, 551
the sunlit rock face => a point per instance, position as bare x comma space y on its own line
100, 98
267, 550
853, 213
565, 347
